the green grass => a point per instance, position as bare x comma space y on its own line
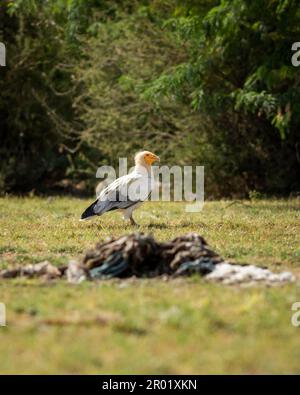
149, 326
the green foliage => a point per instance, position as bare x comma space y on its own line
76, 91
122, 56
239, 73
256, 36
36, 94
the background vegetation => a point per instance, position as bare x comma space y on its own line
206, 82
197, 81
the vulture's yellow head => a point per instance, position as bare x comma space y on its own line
145, 158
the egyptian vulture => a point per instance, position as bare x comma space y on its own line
128, 192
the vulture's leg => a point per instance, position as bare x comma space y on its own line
132, 221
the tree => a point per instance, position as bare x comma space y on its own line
239, 73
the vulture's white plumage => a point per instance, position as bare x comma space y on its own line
128, 192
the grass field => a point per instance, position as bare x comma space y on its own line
149, 326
